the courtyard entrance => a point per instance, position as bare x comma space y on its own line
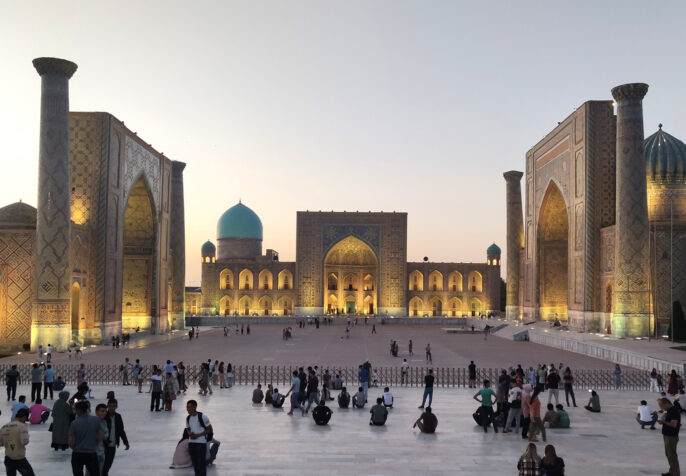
351, 271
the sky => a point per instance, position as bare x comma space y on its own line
413, 106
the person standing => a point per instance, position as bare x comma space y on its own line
653, 382
61, 418
49, 379
126, 370
138, 375
181, 375
428, 388
429, 359
618, 377
48, 353
199, 433
487, 398
156, 389
294, 392
170, 391
36, 381
526, 415
40, 352
81, 375
363, 376
536, 424
553, 382
85, 433
672, 383
568, 380
222, 375
515, 410
115, 428
472, 374
409, 347
671, 423
403, 371
12, 377
14, 436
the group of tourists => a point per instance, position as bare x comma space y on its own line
244, 330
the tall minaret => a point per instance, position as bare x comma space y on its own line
631, 312
178, 245
51, 323
515, 241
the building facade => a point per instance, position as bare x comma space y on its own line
96, 258
601, 238
346, 263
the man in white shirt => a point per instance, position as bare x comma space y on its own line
387, 398
48, 353
646, 416
403, 371
514, 399
199, 433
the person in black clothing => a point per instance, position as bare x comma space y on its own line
427, 422
312, 384
551, 464
553, 382
343, 398
321, 413
303, 384
428, 388
12, 377
671, 423
113, 419
472, 374
568, 382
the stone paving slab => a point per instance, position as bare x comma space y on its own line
257, 440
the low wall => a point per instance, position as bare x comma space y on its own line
220, 321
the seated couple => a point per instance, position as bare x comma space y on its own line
556, 418
182, 457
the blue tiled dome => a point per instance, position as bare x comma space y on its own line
493, 249
665, 158
208, 248
239, 221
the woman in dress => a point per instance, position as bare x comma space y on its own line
551, 464
618, 377
229, 375
61, 419
203, 379
529, 463
653, 381
181, 373
170, 391
673, 384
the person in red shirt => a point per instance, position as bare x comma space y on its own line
38, 413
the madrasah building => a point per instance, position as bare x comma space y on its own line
601, 240
346, 263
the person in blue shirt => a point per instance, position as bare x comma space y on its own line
363, 375
49, 377
18, 406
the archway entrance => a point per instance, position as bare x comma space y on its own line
553, 236
139, 303
351, 272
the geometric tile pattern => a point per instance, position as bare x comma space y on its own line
16, 291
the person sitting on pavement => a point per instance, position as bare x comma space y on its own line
257, 395
268, 398
343, 398
278, 399
427, 422
39, 413
646, 416
593, 403
562, 418
379, 413
387, 398
358, 399
321, 413
550, 417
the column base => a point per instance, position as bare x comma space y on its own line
177, 320
57, 335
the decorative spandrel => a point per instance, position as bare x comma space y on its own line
334, 233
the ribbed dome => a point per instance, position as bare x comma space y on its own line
239, 221
493, 249
18, 215
665, 158
208, 249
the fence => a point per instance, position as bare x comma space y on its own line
448, 377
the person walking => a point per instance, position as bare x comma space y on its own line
515, 408
156, 389
429, 359
653, 382
409, 347
62, 414
126, 370
115, 428
85, 433
12, 377
671, 424
36, 381
536, 424
486, 396
618, 377
199, 433
526, 415
312, 390
181, 375
170, 391
294, 392
49, 382
14, 436
672, 383
428, 388
138, 375
568, 380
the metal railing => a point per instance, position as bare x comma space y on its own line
247, 374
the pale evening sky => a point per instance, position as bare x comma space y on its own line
414, 106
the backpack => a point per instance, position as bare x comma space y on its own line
208, 436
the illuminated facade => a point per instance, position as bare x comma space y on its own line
346, 263
601, 239
97, 257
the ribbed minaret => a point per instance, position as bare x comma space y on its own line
177, 239
515, 241
51, 312
631, 312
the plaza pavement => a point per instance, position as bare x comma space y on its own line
260, 440
327, 347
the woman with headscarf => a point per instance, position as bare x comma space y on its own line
529, 463
61, 419
673, 383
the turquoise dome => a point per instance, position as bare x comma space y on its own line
665, 158
239, 221
208, 248
493, 249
